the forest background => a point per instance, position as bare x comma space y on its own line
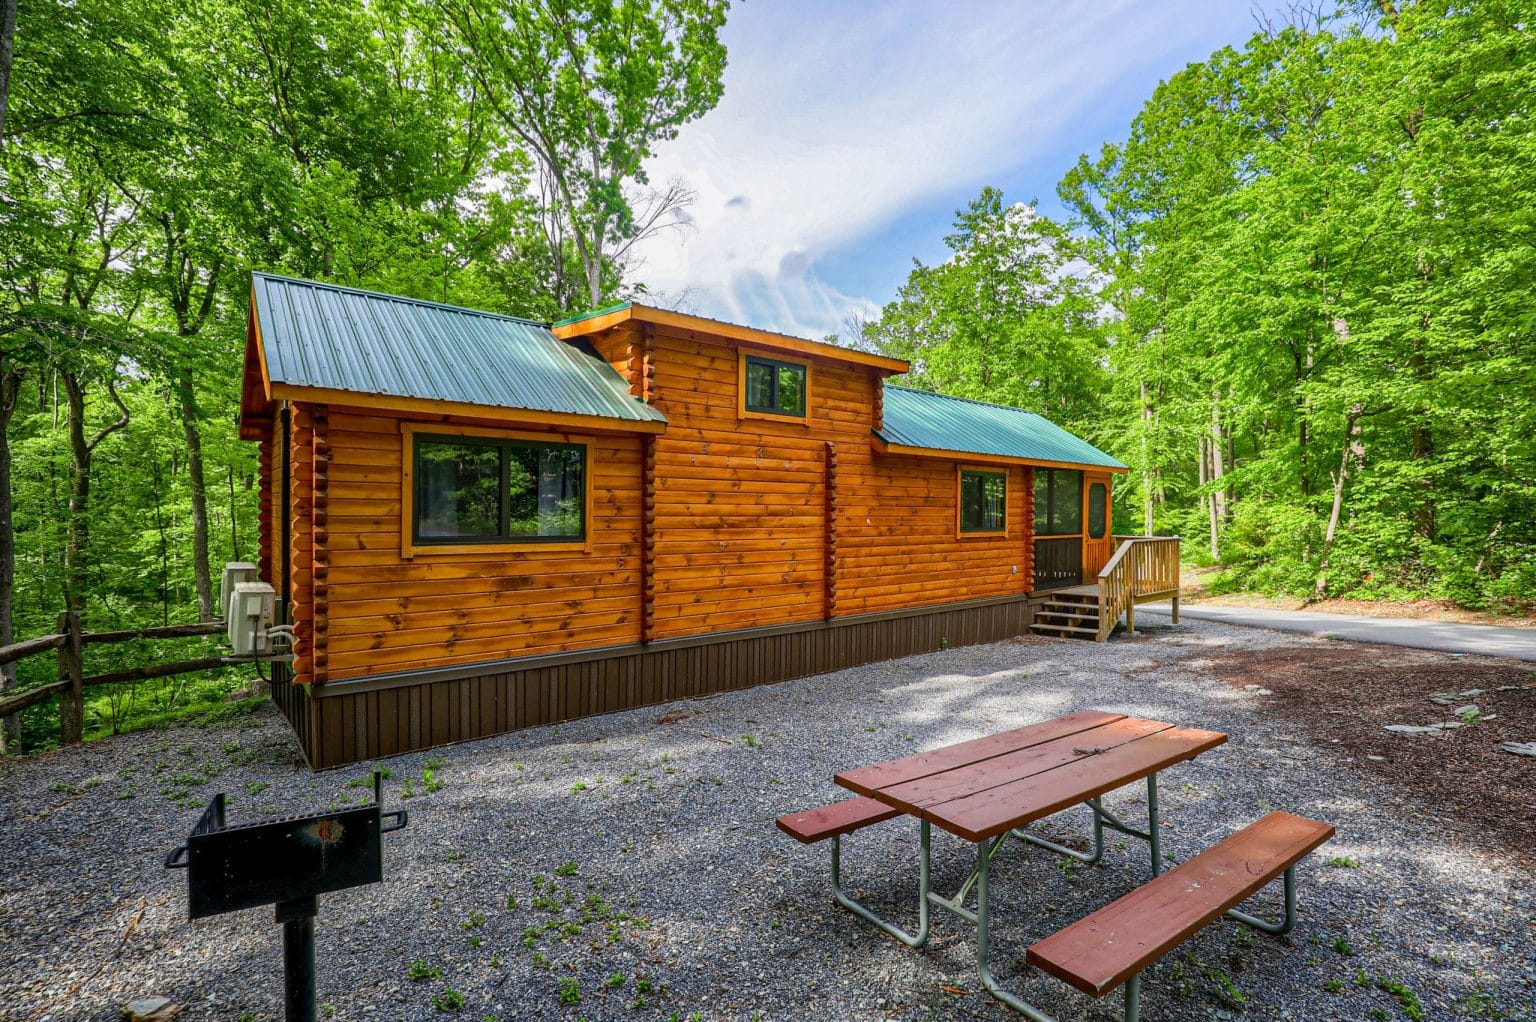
1297, 299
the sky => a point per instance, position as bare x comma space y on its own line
851, 130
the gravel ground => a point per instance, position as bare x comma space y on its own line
650, 882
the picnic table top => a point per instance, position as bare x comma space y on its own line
985, 787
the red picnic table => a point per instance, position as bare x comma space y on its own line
984, 790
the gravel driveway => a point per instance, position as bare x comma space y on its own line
627, 867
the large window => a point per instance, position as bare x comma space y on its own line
1058, 502
471, 489
773, 387
983, 501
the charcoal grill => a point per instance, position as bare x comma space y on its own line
287, 862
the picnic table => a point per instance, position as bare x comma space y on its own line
984, 790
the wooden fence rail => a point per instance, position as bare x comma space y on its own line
70, 643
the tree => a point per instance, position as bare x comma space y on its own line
1004, 319
588, 89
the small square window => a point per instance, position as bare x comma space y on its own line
773, 387
983, 501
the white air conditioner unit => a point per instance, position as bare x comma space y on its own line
235, 572
252, 606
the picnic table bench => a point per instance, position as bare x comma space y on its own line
987, 789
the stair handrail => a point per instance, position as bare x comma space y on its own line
1114, 589
1140, 565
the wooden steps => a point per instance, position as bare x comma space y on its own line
1069, 614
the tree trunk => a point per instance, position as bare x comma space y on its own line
1218, 470
1354, 451
10, 390
7, 54
1148, 481
200, 570
77, 545
78, 529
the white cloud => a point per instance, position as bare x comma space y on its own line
837, 118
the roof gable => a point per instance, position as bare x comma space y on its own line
319, 336
935, 422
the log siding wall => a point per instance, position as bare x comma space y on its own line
363, 719
722, 525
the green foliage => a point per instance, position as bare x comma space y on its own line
154, 155
1314, 280
1000, 320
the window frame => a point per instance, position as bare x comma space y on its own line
412, 545
748, 411
1088, 532
1082, 509
961, 471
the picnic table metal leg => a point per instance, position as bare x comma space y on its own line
1284, 926
1104, 818
923, 881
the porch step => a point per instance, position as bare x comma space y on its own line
1058, 629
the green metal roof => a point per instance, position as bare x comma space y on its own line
918, 418
340, 338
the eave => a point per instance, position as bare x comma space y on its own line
606, 319
883, 447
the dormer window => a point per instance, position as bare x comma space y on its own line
771, 387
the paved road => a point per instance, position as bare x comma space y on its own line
1446, 636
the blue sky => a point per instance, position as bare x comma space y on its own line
851, 131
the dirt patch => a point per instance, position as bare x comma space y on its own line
1345, 695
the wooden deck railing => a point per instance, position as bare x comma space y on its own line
1142, 568
70, 642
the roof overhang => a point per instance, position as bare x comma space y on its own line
463, 409
630, 312
259, 397
883, 447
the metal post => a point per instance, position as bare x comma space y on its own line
298, 919
1154, 826
924, 919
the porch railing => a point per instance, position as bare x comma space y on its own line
1142, 568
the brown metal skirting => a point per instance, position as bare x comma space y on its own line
350, 721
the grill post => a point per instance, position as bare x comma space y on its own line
298, 919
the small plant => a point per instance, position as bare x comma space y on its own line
579, 786
408, 790
474, 920
1333, 985
1342, 947
569, 991
751, 742
1225, 984
257, 787
511, 902
1405, 998
453, 856
449, 1000
475, 939
1068, 867
420, 972
1343, 862
642, 984
566, 869
430, 781
614, 981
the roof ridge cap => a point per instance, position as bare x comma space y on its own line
970, 400
328, 285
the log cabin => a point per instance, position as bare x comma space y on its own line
477, 523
